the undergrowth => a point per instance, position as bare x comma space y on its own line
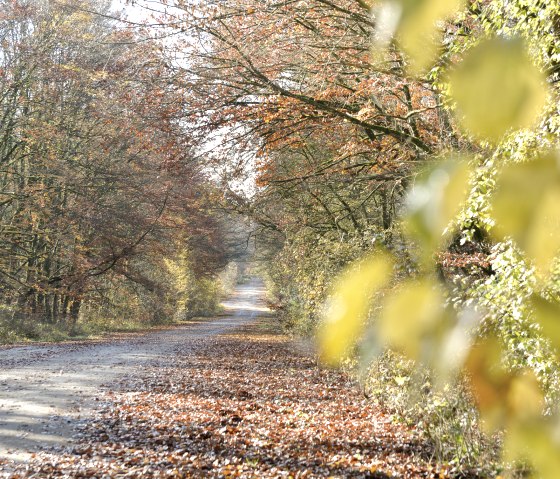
29, 329
126, 309
446, 417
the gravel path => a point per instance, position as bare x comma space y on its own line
46, 390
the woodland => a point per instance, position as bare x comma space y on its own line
390, 169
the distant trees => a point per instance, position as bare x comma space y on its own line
97, 182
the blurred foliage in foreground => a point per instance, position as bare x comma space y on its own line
499, 95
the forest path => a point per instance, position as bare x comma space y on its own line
46, 390
228, 398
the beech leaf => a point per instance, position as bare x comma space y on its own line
525, 207
349, 305
497, 88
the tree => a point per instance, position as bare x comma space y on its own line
97, 171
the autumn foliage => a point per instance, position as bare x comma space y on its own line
99, 184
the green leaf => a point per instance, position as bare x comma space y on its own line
497, 88
349, 305
525, 207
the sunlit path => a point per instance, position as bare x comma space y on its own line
46, 390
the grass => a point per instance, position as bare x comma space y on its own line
29, 331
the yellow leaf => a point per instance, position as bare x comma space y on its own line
525, 207
547, 315
536, 443
349, 305
489, 381
503, 397
435, 200
497, 88
543, 242
412, 312
415, 22
525, 399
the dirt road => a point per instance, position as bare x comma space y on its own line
45, 391
232, 397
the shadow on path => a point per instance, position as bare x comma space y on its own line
46, 390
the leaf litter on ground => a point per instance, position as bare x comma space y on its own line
245, 405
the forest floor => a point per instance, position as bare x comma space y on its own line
230, 397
